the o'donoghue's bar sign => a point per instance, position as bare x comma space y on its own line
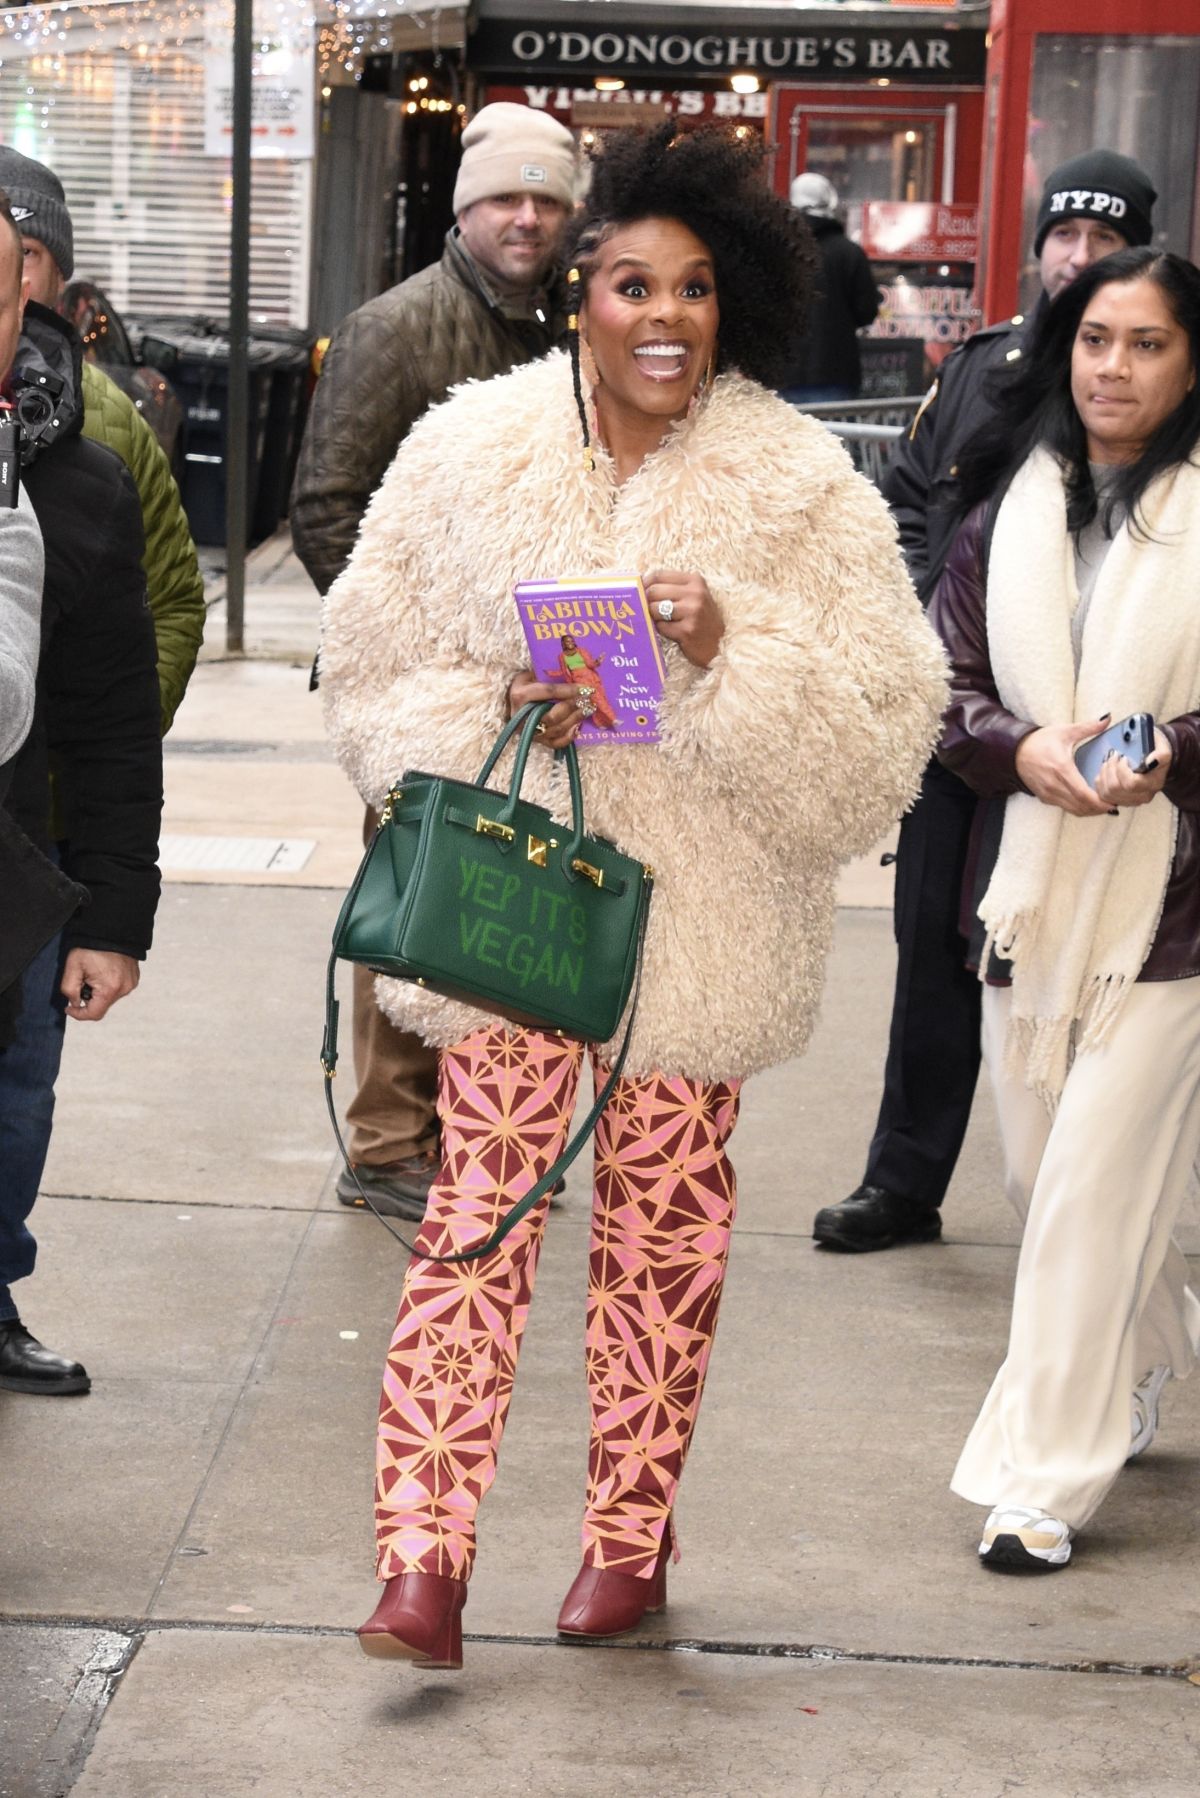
855, 53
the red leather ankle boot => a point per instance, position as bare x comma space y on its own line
603, 1602
419, 1619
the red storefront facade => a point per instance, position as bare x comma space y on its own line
938, 125
1065, 76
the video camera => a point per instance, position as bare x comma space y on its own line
33, 417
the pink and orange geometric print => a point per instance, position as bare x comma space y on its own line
662, 1216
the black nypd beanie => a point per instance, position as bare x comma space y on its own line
1100, 185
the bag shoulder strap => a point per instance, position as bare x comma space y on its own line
329, 1055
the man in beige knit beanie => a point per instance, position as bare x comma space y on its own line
515, 187
485, 307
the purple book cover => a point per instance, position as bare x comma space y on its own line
598, 634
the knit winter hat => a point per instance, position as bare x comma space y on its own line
813, 193
38, 205
1100, 185
510, 149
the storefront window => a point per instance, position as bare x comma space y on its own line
872, 157
1139, 95
125, 134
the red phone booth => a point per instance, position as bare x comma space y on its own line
1065, 76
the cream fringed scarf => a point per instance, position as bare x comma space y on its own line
1074, 902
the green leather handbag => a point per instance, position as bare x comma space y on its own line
478, 894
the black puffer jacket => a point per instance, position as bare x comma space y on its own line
96, 721
921, 484
387, 364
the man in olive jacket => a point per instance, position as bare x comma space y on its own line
174, 583
483, 309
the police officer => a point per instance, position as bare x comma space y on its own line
1091, 207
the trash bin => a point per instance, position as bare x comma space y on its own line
198, 368
290, 352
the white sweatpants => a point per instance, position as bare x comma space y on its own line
1102, 1292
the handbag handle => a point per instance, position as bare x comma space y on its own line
329, 1055
527, 721
537, 709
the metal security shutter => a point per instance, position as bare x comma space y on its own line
125, 134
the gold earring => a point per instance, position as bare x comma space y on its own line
587, 362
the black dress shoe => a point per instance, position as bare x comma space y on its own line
396, 1189
25, 1366
874, 1219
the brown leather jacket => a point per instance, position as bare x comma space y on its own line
980, 738
387, 364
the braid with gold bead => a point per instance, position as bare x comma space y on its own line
575, 290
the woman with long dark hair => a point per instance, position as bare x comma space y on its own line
1072, 599
802, 688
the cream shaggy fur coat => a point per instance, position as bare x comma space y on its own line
793, 752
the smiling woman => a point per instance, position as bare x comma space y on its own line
801, 696
650, 322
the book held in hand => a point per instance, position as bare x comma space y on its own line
597, 634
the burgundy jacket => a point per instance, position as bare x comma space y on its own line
980, 738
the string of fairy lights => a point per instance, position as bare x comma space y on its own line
346, 32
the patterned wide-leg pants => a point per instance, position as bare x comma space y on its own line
662, 1217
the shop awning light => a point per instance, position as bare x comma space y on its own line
608, 84
744, 84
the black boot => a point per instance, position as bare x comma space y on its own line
874, 1219
25, 1366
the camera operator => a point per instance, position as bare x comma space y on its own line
96, 729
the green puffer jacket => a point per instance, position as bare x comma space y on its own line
388, 363
174, 583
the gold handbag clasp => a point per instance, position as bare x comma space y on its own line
487, 827
595, 875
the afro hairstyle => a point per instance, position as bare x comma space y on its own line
711, 180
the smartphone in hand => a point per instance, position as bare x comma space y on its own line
1133, 738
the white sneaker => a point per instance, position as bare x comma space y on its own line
1146, 1395
1017, 1539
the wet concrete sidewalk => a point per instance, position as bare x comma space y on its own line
186, 1551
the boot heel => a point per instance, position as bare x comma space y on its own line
446, 1653
658, 1582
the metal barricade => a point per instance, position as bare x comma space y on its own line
870, 429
